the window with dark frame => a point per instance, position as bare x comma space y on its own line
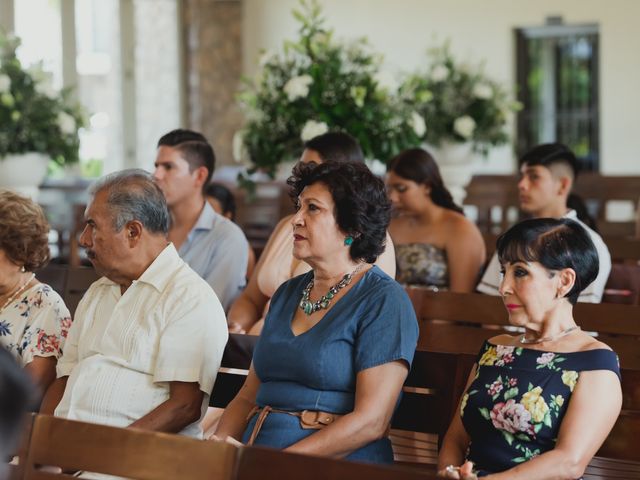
557, 74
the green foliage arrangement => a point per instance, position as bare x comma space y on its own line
317, 84
34, 116
458, 102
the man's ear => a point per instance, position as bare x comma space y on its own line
564, 185
133, 231
201, 174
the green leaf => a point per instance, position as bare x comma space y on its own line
507, 436
485, 413
511, 393
547, 419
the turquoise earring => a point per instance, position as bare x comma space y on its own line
348, 240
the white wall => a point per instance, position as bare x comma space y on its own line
480, 30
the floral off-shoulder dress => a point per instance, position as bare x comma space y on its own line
513, 408
35, 324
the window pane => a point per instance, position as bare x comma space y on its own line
37, 23
98, 67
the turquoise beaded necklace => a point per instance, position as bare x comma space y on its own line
309, 307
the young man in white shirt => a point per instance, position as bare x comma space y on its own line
211, 244
547, 173
148, 337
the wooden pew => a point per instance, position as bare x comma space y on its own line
485, 192
265, 464
132, 453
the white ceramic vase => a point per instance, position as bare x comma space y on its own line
455, 161
23, 172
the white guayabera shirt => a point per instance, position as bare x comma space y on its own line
123, 350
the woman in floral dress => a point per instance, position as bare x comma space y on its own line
33, 318
539, 404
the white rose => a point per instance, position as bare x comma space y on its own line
265, 57
439, 73
464, 126
45, 88
482, 91
239, 150
312, 129
417, 123
386, 81
66, 123
5, 83
298, 87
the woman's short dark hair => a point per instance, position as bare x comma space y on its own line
224, 196
336, 147
555, 244
419, 166
24, 231
362, 208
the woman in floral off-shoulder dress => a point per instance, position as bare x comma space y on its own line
539, 404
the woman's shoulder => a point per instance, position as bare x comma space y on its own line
43, 294
456, 223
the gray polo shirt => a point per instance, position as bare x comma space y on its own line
217, 250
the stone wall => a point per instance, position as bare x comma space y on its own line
213, 67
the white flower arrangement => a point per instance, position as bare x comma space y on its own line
459, 103
34, 116
316, 85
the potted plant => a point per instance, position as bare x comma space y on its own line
39, 124
465, 111
317, 84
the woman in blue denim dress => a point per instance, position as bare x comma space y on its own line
338, 341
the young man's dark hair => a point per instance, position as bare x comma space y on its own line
194, 147
548, 154
336, 147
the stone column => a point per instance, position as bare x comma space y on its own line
212, 58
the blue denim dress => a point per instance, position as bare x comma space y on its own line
373, 324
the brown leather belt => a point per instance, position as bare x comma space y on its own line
309, 419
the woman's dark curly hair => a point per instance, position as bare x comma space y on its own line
419, 166
362, 208
23, 231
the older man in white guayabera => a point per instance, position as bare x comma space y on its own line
148, 336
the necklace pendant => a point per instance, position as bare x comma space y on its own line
307, 308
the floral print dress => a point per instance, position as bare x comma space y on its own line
422, 264
514, 407
35, 324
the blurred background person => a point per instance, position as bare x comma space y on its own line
223, 202
435, 244
34, 320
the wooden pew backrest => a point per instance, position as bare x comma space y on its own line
264, 464
131, 453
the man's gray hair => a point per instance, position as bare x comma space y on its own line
133, 195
